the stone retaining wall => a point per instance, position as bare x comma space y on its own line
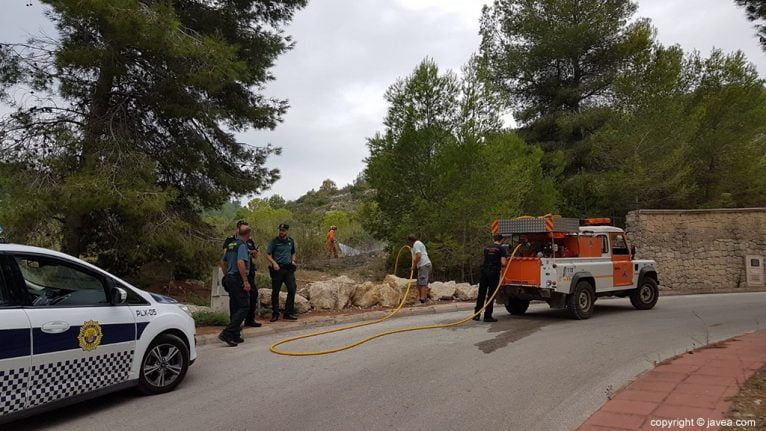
699, 249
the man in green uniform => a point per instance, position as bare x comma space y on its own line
236, 260
281, 256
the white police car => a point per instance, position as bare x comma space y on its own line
71, 331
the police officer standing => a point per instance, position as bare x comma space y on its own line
253, 251
495, 257
236, 260
281, 256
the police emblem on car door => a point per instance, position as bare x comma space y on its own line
81, 341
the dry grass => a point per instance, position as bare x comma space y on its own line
750, 403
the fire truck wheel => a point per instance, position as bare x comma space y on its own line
645, 297
580, 301
517, 306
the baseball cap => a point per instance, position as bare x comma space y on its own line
241, 222
284, 226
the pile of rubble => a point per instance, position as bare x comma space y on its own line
342, 292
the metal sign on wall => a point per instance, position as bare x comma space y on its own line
754, 269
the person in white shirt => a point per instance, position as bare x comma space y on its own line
422, 264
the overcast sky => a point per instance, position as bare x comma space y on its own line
349, 51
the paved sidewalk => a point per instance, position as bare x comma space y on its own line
209, 335
692, 389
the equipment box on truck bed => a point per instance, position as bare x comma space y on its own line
568, 264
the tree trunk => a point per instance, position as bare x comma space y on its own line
72, 232
99, 107
74, 224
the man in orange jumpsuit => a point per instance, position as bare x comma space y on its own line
332, 250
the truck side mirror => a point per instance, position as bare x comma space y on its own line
633, 251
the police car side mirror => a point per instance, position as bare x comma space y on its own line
119, 296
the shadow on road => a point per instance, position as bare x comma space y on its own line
510, 329
93, 407
61, 416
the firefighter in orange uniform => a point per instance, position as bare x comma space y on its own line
332, 250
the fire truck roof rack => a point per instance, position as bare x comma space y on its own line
538, 225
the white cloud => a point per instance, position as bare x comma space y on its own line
468, 10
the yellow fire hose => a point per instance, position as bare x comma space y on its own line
274, 348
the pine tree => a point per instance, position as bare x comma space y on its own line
131, 113
556, 60
756, 12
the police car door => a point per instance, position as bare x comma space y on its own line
80, 341
15, 347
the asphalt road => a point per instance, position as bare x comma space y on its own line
536, 372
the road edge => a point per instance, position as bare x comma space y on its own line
282, 326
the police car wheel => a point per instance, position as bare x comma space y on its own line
164, 365
517, 306
580, 302
645, 297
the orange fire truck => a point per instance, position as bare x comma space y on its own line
568, 263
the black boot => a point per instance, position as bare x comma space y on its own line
226, 339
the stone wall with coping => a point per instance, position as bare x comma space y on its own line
699, 249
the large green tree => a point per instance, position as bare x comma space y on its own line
127, 118
444, 168
556, 60
688, 133
421, 119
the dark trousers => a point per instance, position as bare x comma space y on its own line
286, 275
253, 299
490, 278
239, 302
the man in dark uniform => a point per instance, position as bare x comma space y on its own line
281, 256
236, 261
495, 258
253, 251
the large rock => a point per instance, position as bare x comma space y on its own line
400, 284
302, 304
466, 292
367, 295
442, 291
333, 294
303, 291
389, 296
264, 297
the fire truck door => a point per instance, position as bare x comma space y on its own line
621, 263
